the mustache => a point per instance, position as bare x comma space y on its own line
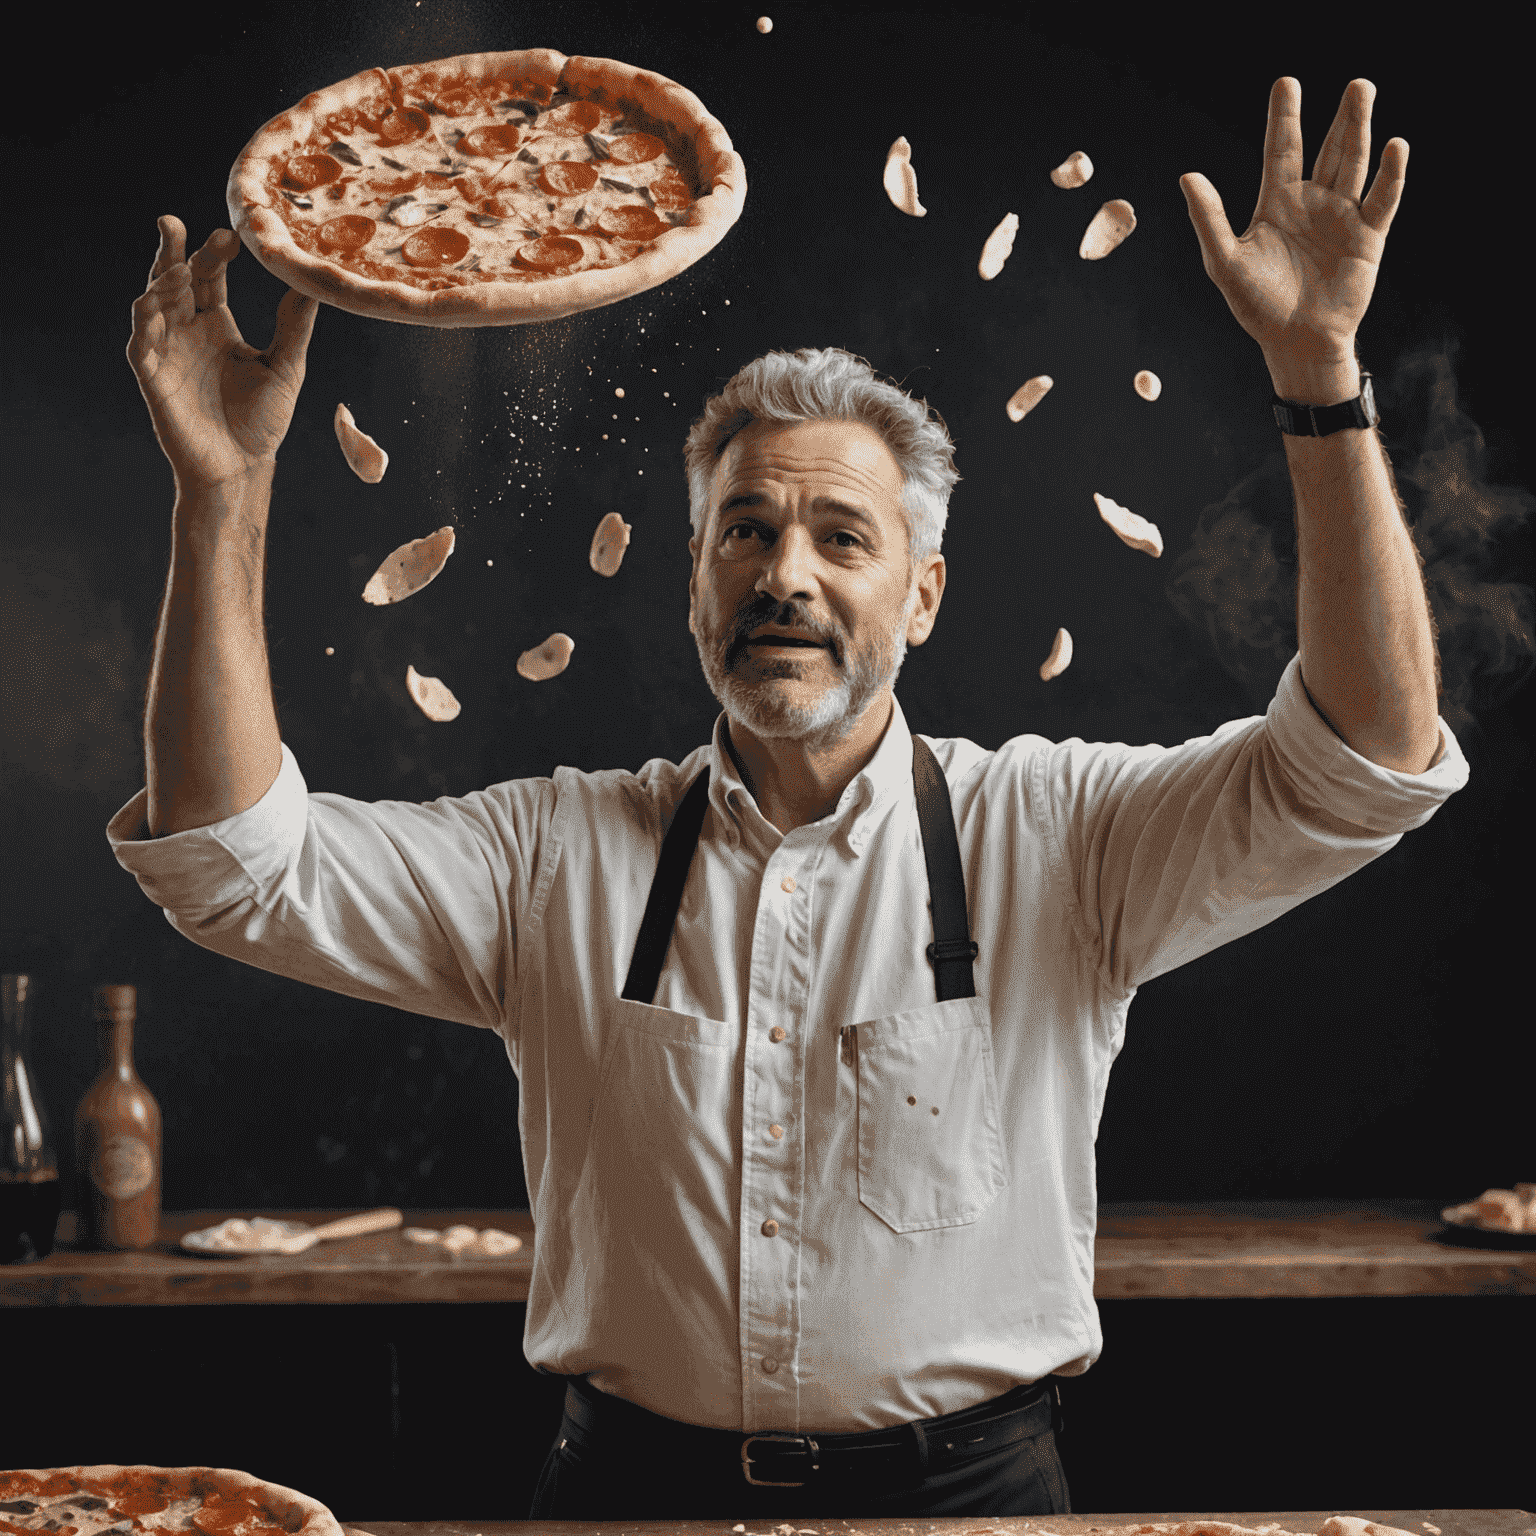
785, 617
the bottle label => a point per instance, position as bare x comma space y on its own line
122, 1168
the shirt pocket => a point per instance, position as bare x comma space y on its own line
660, 1136
930, 1142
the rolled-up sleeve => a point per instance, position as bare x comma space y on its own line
415, 906
1170, 852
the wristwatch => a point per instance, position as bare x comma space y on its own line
1319, 420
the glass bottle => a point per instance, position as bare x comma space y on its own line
117, 1137
29, 1168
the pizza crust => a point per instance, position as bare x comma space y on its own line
678, 115
297, 1513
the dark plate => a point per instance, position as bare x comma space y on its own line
1462, 1235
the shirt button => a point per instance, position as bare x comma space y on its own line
770, 1366
788, 883
770, 1229
776, 1033
776, 1131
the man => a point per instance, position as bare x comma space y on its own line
813, 1030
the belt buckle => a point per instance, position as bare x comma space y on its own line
757, 1482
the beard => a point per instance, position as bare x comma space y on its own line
775, 696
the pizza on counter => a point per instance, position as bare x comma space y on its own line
200, 1501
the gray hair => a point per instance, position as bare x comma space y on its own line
829, 384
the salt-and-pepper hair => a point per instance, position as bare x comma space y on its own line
829, 384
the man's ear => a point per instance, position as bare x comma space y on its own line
929, 593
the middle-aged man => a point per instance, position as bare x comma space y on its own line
812, 1030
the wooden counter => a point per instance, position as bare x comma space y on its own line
1295, 1249
1449, 1522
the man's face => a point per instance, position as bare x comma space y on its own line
805, 532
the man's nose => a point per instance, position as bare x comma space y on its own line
788, 566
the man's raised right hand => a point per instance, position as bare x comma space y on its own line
220, 408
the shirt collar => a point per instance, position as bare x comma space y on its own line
887, 774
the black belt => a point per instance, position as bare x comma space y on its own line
776, 1459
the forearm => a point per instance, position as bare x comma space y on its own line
211, 741
1364, 627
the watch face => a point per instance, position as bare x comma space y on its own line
1368, 399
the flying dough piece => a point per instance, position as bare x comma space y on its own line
1111, 224
999, 247
608, 545
434, 700
1073, 171
547, 660
1027, 396
901, 179
1133, 530
1059, 659
367, 459
1148, 385
410, 568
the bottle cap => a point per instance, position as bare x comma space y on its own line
115, 999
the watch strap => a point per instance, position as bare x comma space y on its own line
1300, 420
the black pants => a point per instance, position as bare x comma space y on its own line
613, 1460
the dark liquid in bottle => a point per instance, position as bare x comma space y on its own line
29, 1214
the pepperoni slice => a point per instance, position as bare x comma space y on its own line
347, 232
458, 100
573, 117
635, 148
403, 125
669, 190
305, 172
565, 178
550, 252
492, 139
634, 221
435, 247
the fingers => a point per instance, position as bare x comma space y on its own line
220, 248
173, 244
1345, 158
168, 292
295, 325
1282, 138
1208, 214
1379, 209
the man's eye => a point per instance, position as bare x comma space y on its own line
842, 533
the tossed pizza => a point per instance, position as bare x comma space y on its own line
212, 1501
487, 189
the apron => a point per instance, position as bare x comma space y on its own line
950, 954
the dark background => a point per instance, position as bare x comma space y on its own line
1361, 1046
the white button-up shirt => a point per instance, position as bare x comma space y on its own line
750, 1217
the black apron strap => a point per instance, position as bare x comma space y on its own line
950, 954
666, 893
953, 949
